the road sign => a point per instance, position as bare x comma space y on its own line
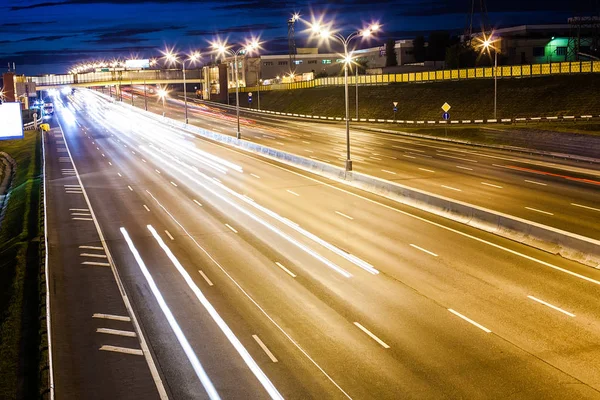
395, 108
446, 107
395, 104
249, 94
446, 116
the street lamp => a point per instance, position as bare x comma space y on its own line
172, 59
222, 49
325, 33
162, 94
487, 44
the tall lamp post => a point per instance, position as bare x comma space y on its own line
325, 33
222, 49
487, 45
172, 58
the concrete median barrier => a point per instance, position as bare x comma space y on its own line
555, 241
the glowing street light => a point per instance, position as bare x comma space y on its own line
172, 59
222, 49
162, 94
486, 45
324, 32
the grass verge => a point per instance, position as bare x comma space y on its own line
20, 237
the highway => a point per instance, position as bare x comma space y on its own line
244, 278
558, 193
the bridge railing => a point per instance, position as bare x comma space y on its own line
115, 76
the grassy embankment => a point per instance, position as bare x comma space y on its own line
22, 326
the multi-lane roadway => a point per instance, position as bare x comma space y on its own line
183, 269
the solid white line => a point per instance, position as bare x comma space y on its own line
196, 201
146, 207
125, 350
389, 172
468, 169
205, 278
116, 332
80, 214
151, 365
169, 235
589, 208
173, 183
79, 209
552, 306
100, 264
489, 184
265, 348
344, 215
91, 247
285, 269
72, 186
187, 348
252, 365
451, 188
81, 219
426, 170
92, 255
294, 193
423, 250
130, 188
540, 211
536, 183
256, 176
375, 338
112, 317
483, 328
230, 227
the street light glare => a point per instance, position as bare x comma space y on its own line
161, 93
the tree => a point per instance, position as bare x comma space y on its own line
390, 53
419, 48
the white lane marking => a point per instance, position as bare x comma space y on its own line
92, 255
80, 214
132, 152
540, 211
426, 170
99, 264
293, 275
205, 278
407, 156
103, 155
551, 306
252, 365
265, 348
294, 193
279, 143
116, 332
112, 317
230, 227
344, 215
81, 219
310, 151
196, 201
452, 188
73, 186
146, 207
157, 171
423, 250
173, 183
109, 163
91, 247
305, 142
536, 183
118, 173
125, 350
256, 176
389, 172
375, 158
483, 328
169, 235
489, 184
130, 188
468, 169
187, 348
78, 209
589, 208
375, 338
143, 160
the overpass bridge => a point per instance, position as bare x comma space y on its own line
114, 78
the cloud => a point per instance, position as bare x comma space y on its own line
115, 35
233, 29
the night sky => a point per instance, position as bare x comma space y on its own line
50, 36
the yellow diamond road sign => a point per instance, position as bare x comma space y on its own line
446, 107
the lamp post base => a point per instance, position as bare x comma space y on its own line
238, 135
348, 165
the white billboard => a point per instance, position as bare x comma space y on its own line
11, 121
137, 64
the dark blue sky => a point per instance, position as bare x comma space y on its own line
50, 36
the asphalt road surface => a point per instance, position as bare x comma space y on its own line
237, 277
554, 192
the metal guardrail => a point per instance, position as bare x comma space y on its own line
32, 124
505, 71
